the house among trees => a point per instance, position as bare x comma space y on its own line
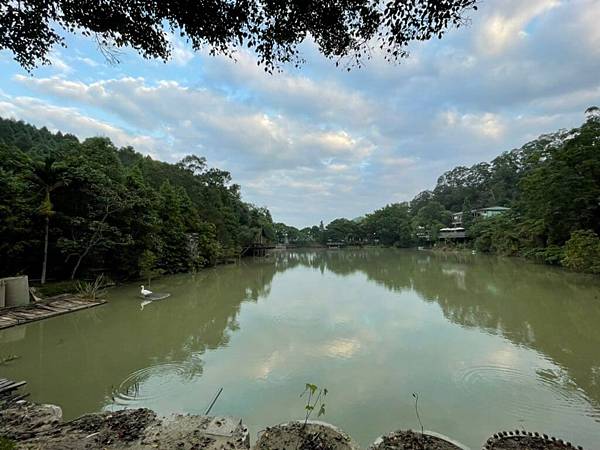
457, 218
458, 232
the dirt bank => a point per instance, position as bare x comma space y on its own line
296, 436
33, 426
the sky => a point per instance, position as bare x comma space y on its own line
318, 143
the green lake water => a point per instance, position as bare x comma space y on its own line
487, 343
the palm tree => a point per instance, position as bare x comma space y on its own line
48, 176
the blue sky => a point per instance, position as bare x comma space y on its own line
320, 143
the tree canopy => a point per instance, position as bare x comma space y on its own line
96, 206
551, 185
273, 29
90, 206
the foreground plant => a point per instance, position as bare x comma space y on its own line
316, 397
416, 397
91, 291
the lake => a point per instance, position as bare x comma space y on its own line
487, 343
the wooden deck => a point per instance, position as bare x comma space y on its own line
63, 304
9, 393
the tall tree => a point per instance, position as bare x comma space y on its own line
390, 225
16, 207
561, 195
47, 175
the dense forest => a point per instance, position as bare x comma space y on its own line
551, 184
71, 209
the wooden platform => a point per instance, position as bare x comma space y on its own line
9, 393
62, 304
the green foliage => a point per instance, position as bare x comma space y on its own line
390, 225
315, 397
148, 267
58, 287
342, 230
272, 30
103, 207
551, 185
91, 291
582, 252
7, 444
552, 254
560, 193
496, 235
429, 217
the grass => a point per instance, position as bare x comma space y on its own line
6, 444
56, 288
52, 288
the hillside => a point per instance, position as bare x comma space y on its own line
111, 208
551, 185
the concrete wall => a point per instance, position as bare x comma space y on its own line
16, 290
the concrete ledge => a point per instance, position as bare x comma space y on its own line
34, 426
294, 436
377, 445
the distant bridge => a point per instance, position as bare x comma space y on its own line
259, 246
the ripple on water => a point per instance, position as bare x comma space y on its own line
525, 394
153, 382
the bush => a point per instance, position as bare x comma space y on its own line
148, 266
51, 289
582, 252
6, 444
92, 291
495, 235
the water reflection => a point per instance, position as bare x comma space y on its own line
488, 342
546, 309
83, 359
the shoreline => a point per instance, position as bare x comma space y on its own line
29, 425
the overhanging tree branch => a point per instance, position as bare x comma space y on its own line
341, 29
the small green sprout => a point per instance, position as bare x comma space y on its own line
316, 397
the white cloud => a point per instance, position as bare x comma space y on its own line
320, 143
89, 61
58, 63
505, 27
195, 117
398, 161
181, 54
481, 125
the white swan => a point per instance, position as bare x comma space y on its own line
145, 292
